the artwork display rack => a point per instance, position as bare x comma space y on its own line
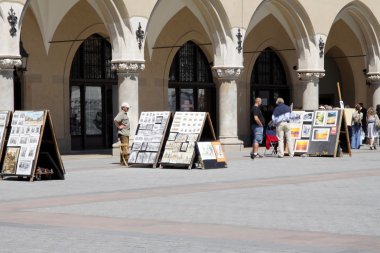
31, 148
150, 135
187, 129
5, 116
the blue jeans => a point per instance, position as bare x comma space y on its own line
355, 137
257, 134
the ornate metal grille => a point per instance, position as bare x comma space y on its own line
190, 65
268, 70
93, 60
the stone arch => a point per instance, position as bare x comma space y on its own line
295, 21
211, 15
366, 28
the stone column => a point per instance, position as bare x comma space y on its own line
374, 79
227, 106
128, 89
310, 89
7, 64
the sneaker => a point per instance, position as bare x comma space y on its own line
370, 147
291, 156
280, 156
253, 156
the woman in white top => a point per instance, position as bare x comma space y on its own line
371, 127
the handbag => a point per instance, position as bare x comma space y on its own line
377, 122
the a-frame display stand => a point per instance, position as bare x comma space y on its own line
5, 117
187, 129
32, 149
149, 138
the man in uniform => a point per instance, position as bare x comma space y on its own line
123, 130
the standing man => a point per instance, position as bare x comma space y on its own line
257, 128
281, 119
123, 130
364, 120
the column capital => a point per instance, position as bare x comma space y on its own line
8, 62
373, 77
310, 75
128, 67
229, 73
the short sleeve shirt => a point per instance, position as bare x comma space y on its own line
257, 112
122, 118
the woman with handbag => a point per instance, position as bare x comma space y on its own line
372, 122
356, 127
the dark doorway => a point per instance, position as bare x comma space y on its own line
91, 80
190, 82
268, 81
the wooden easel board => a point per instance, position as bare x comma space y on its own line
211, 155
187, 128
325, 133
4, 123
32, 134
149, 138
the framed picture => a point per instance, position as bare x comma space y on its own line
306, 131
319, 119
136, 146
301, 146
220, 156
181, 137
152, 157
24, 152
296, 116
33, 139
153, 146
24, 139
143, 146
184, 147
24, 167
166, 156
158, 119
172, 136
10, 160
34, 117
321, 134
13, 140
132, 157
32, 152
206, 151
295, 130
192, 137
146, 158
308, 116
332, 118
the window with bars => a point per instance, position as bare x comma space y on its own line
93, 60
268, 70
190, 65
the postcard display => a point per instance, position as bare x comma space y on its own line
317, 133
32, 149
187, 129
4, 122
150, 134
211, 155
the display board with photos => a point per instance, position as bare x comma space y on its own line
300, 130
211, 155
148, 141
187, 128
4, 122
31, 132
325, 133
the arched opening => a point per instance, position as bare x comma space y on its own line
268, 81
91, 80
190, 82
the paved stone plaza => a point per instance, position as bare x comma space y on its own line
266, 205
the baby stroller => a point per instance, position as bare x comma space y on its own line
271, 140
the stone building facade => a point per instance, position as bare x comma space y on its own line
85, 57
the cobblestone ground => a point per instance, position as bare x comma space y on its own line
266, 205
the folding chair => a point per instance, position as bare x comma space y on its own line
271, 141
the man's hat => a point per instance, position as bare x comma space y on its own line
125, 104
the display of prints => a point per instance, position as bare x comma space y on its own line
10, 160
295, 130
184, 132
306, 131
301, 146
308, 117
331, 119
149, 137
319, 119
296, 117
320, 134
